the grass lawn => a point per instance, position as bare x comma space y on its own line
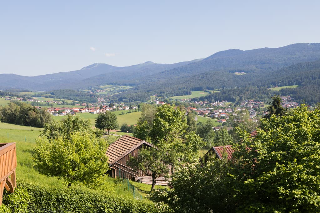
284, 87
128, 118
204, 119
3, 102
194, 94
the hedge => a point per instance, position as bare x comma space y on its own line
29, 197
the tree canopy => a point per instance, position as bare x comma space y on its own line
107, 120
174, 145
70, 150
24, 114
275, 171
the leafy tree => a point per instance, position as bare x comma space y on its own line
151, 160
145, 122
126, 128
222, 137
24, 114
174, 144
275, 108
66, 127
205, 131
275, 171
107, 120
80, 157
191, 121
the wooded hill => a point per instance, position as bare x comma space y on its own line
296, 64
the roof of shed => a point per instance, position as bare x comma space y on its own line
122, 147
221, 150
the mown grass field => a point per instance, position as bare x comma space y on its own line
284, 87
3, 102
123, 117
194, 94
204, 119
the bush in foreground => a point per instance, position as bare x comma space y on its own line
30, 197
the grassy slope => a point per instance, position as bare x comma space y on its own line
3, 102
284, 87
194, 94
129, 118
25, 138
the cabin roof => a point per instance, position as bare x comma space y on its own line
122, 147
221, 150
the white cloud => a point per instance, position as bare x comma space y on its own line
92, 48
110, 54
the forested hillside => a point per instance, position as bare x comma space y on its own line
296, 64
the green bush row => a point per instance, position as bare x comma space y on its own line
29, 197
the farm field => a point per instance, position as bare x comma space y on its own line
3, 102
284, 87
128, 118
194, 94
204, 119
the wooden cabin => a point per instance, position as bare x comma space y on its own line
8, 165
120, 151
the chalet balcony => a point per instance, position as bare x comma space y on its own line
8, 165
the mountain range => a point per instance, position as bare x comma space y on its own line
226, 69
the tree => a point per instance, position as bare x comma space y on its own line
205, 131
107, 120
24, 114
145, 122
275, 108
80, 157
67, 127
274, 171
151, 160
174, 145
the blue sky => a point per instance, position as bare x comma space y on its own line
40, 37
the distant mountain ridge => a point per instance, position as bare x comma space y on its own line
214, 72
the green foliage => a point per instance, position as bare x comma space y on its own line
126, 128
200, 188
284, 175
24, 114
81, 157
107, 120
73, 95
145, 122
66, 127
174, 145
36, 198
275, 171
213, 138
275, 108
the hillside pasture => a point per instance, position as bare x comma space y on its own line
194, 94
3, 102
283, 87
122, 116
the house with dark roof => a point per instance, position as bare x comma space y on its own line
120, 151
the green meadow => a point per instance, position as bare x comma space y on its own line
127, 117
204, 119
194, 94
284, 87
3, 102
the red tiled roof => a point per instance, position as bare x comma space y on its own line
221, 150
122, 147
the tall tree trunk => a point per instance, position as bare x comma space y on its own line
153, 180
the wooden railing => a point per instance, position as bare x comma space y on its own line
8, 165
